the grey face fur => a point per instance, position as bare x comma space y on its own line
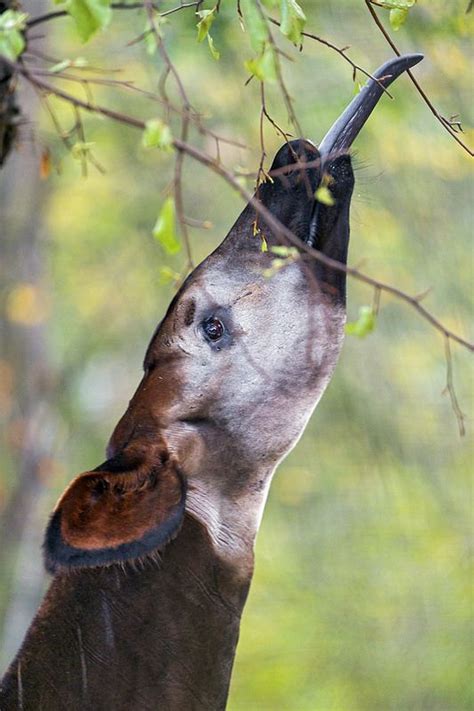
242, 357
281, 333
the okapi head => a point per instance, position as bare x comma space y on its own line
232, 373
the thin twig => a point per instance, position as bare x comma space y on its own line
272, 222
186, 112
460, 417
279, 73
443, 121
342, 52
115, 6
261, 173
178, 194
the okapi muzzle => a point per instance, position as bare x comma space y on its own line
234, 370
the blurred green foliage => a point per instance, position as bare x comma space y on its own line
361, 599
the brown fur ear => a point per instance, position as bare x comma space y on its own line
121, 511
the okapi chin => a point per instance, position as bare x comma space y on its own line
152, 551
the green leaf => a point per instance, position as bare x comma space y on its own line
12, 20
152, 29
205, 23
214, 52
255, 24
282, 250
203, 27
263, 67
78, 63
165, 227
398, 18
397, 4
364, 325
12, 42
157, 134
149, 40
285, 256
168, 275
324, 195
90, 16
81, 149
60, 66
293, 21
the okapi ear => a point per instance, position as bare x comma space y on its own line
115, 514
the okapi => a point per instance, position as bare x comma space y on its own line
152, 551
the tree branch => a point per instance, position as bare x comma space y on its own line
185, 119
342, 52
266, 215
443, 121
115, 6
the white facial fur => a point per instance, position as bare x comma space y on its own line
260, 387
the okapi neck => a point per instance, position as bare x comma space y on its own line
161, 634
231, 518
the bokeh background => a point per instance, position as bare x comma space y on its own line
362, 596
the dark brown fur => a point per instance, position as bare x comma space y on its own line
134, 638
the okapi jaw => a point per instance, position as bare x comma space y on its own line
232, 373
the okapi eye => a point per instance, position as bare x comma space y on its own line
213, 328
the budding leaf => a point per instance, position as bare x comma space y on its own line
203, 27
78, 63
324, 196
60, 66
157, 134
282, 250
293, 21
12, 42
153, 33
214, 52
398, 17
89, 16
168, 275
397, 4
263, 67
81, 149
164, 230
255, 24
205, 23
364, 325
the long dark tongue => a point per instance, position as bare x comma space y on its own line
345, 130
